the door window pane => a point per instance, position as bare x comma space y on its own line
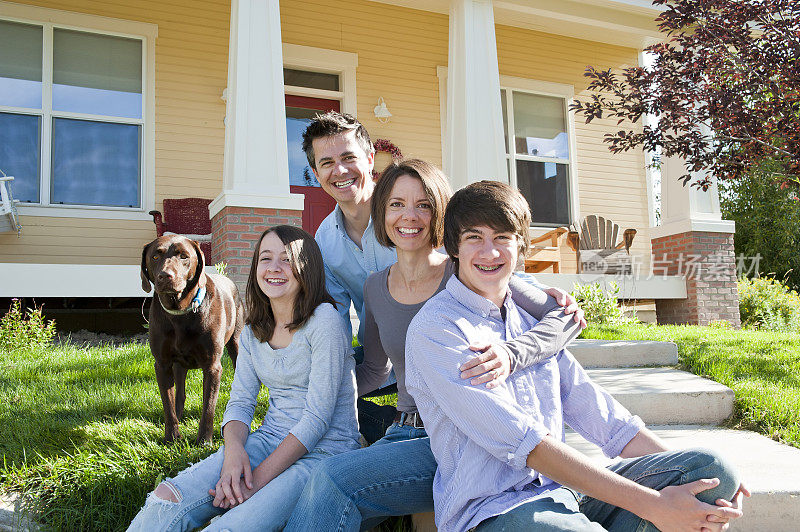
95, 163
546, 187
20, 65
97, 74
300, 173
312, 80
540, 126
19, 154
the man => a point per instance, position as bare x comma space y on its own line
502, 463
342, 157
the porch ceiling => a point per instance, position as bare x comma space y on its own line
628, 23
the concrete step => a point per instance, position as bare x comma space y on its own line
666, 396
621, 354
770, 470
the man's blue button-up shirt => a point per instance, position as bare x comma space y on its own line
347, 267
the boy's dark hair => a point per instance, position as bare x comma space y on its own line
488, 203
306, 260
435, 185
333, 123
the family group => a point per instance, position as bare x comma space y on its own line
484, 383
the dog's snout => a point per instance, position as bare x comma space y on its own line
165, 275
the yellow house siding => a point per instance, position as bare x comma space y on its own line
191, 72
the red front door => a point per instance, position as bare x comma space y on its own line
318, 204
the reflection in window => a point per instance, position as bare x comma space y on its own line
545, 186
300, 173
311, 80
95, 163
19, 154
97, 74
20, 65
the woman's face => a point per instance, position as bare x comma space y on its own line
274, 271
408, 215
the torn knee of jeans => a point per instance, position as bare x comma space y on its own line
167, 491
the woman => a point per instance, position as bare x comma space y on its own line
394, 476
294, 343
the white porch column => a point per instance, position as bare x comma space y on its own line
256, 168
474, 143
696, 243
255, 190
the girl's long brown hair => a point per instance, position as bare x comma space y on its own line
307, 267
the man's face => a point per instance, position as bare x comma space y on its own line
486, 260
344, 169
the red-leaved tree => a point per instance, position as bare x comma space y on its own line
724, 86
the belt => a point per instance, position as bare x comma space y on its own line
413, 419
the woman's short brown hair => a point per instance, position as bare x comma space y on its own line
306, 261
490, 203
435, 185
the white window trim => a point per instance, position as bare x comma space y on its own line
147, 33
544, 88
313, 59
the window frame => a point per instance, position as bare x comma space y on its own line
49, 20
323, 60
540, 88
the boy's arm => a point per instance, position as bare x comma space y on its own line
554, 331
672, 508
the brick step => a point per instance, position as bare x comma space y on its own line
622, 354
769, 469
666, 396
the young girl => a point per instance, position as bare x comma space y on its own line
294, 343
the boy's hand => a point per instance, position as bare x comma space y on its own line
566, 300
492, 365
681, 510
735, 503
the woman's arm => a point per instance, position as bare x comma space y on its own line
551, 334
375, 368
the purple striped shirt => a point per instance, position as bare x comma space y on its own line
481, 438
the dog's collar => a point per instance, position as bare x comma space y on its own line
196, 302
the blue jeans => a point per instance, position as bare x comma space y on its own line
393, 476
267, 509
564, 509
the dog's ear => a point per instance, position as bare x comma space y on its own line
201, 265
145, 274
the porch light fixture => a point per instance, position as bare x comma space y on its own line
381, 111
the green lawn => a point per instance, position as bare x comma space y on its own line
81, 429
762, 368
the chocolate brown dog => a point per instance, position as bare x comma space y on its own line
193, 315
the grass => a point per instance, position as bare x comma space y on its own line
761, 367
81, 433
81, 429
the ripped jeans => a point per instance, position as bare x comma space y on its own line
268, 509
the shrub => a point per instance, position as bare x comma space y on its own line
766, 303
599, 305
20, 330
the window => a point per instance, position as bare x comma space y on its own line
538, 154
73, 115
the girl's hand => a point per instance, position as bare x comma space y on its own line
566, 300
491, 365
228, 491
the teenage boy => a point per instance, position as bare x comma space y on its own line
341, 155
502, 463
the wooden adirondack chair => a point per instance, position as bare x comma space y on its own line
187, 217
544, 252
9, 219
597, 249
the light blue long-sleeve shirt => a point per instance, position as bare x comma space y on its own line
481, 437
347, 267
311, 382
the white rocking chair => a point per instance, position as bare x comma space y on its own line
9, 218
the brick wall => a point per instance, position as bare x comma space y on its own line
708, 262
235, 231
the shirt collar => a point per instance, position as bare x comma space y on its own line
474, 302
338, 216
